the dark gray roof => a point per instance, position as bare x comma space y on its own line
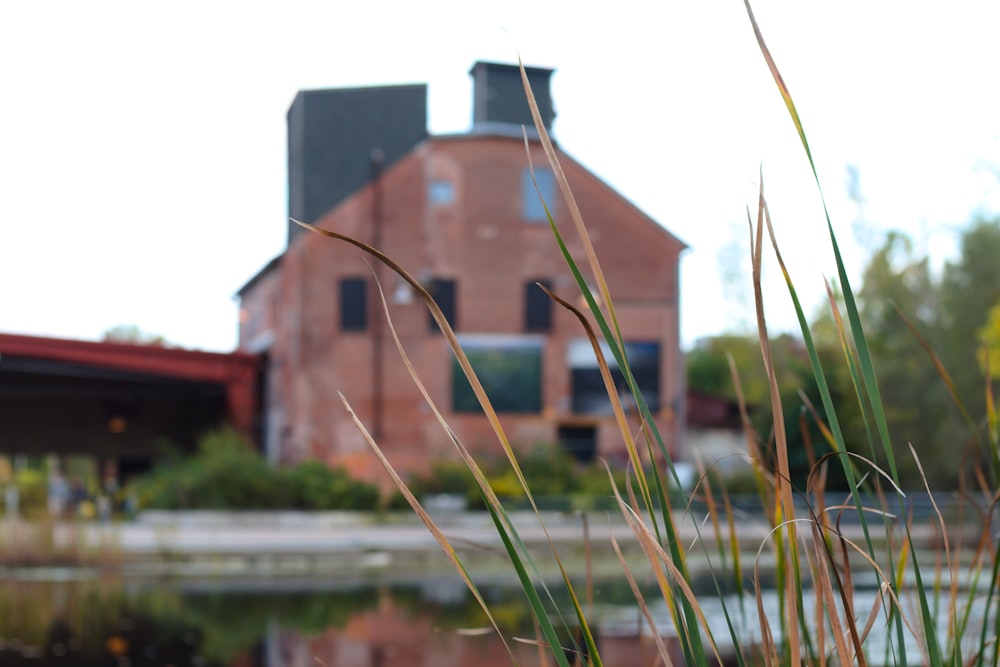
332, 135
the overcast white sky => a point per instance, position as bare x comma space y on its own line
142, 145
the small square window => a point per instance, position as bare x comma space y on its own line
580, 442
353, 304
531, 203
443, 291
441, 193
537, 306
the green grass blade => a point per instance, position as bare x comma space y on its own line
537, 608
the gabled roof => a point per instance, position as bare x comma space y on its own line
507, 131
267, 268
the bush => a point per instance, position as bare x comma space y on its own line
228, 474
555, 478
32, 492
313, 485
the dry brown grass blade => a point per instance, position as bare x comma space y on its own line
818, 612
871, 464
466, 456
641, 601
705, 482
659, 559
457, 350
568, 198
950, 564
470, 462
470, 374
753, 445
609, 386
439, 536
769, 650
874, 613
884, 581
825, 588
782, 478
860, 551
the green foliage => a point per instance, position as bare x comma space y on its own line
130, 333
232, 623
901, 302
227, 473
552, 475
708, 372
32, 492
313, 485
447, 477
739, 483
989, 341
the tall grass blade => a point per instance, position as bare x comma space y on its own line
508, 533
615, 342
785, 514
643, 607
442, 540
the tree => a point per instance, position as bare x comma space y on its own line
708, 372
898, 292
970, 288
989, 341
130, 333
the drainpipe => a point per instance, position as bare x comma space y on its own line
377, 158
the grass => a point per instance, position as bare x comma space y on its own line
941, 613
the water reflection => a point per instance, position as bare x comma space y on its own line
131, 623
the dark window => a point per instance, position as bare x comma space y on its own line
443, 291
589, 395
531, 203
580, 442
353, 304
510, 370
537, 306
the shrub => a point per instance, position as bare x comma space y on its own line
228, 474
32, 492
313, 485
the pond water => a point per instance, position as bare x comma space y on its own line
89, 621
73, 618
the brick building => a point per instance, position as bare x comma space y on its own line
461, 214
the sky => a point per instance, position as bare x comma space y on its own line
142, 145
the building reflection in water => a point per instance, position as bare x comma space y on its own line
434, 623
391, 635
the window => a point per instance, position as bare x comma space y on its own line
509, 368
537, 306
531, 205
580, 442
441, 192
589, 395
443, 291
353, 304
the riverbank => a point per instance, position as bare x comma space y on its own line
240, 544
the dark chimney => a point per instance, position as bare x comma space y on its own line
331, 138
499, 100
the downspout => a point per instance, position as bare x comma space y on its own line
377, 158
